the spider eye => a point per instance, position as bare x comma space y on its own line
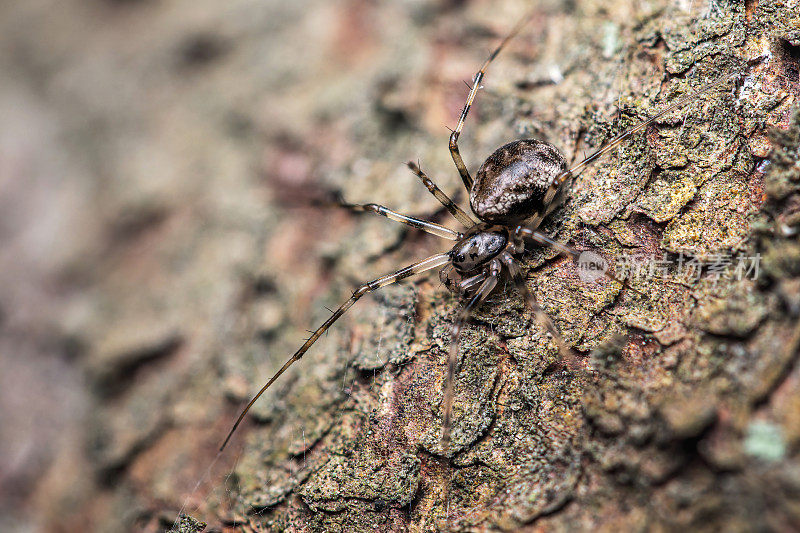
460, 258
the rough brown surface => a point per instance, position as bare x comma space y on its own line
159, 261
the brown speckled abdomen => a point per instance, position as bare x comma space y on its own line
511, 185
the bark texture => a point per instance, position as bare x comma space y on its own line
161, 262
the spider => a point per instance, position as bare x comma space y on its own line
517, 186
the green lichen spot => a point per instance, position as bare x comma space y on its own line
765, 441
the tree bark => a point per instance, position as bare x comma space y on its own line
686, 414
192, 273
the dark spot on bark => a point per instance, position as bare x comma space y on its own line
264, 285
135, 222
790, 59
114, 381
394, 119
529, 85
201, 49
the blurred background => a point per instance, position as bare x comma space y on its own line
158, 255
147, 151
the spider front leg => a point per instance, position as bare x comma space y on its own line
491, 276
417, 268
476, 84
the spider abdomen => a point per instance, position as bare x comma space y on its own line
513, 183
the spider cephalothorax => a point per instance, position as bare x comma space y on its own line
514, 190
479, 246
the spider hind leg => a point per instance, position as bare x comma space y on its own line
539, 315
488, 281
411, 270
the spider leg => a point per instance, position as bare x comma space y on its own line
541, 238
619, 139
452, 359
538, 313
472, 282
476, 84
451, 206
424, 225
417, 268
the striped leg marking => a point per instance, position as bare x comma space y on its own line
417, 268
538, 313
449, 204
424, 225
476, 84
